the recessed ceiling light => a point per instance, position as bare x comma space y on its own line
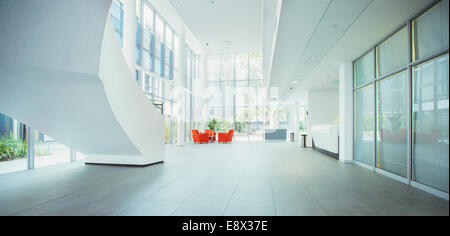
295, 82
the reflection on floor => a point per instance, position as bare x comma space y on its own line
273, 178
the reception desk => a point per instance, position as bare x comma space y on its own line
325, 139
275, 134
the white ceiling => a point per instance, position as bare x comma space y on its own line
225, 25
315, 36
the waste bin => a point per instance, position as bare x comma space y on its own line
292, 136
303, 140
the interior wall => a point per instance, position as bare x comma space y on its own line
323, 108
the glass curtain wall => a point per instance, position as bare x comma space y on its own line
235, 94
156, 50
406, 78
13, 145
193, 93
117, 15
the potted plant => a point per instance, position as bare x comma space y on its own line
212, 124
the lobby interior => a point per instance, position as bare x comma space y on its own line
224, 108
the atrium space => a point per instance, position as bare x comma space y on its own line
224, 108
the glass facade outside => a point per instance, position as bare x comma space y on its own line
392, 124
14, 147
412, 102
235, 95
364, 134
430, 123
156, 51
116, 13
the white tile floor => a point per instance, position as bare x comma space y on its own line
248, 178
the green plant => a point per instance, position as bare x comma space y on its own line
212, 124
11, 148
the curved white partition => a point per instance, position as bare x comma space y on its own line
62, 72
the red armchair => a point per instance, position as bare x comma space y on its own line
211, 133
199, 137
226, 137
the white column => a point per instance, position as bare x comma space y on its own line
30, 148
295, 120
346, 112
129, 34
179, 81
15, 129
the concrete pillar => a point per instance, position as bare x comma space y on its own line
295, 120
129, 34
346, 112
30, 148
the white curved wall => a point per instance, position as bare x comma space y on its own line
63, 73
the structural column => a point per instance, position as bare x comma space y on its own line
346, 112
30, 148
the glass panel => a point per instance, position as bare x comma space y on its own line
242, 66
138, 34
365, 69
147, 84
116, 9
48, 151
364, 125
159, 28
148, 17
393, 53
431, 30
147, 36
213, 68
227, 65
392, 128
255, 66
146, 60
169, 38
138, 55
431, 124
13, 147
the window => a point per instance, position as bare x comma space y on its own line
393, 53
138, 55
13, 149
430, 31
431, 123
116, 13
411, 91
147, 84
242, 66
364, 69
364, 125
392, 124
